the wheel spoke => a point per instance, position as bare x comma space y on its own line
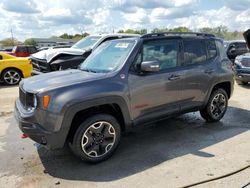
98, 139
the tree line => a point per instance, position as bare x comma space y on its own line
221, 31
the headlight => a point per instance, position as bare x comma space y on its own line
32, 102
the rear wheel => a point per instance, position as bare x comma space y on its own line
11, 76
216, 106
97, 138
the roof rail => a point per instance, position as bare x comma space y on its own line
177, 34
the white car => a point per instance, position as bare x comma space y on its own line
65, 58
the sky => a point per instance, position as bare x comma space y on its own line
46, 18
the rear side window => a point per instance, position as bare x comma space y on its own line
32, 50
194, 51
220, 47
21, 49
163, 51
241, 45
211, 49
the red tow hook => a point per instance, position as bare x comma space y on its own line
24, 136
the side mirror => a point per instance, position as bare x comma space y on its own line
232, 50
150, 66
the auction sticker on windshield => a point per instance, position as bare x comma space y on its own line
122, 45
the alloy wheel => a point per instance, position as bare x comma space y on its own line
11, 77
218, 105
98, 139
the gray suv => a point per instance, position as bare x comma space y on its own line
122, 84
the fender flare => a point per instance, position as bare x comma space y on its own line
74, 108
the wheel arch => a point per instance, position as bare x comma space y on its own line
115, 106
8, 68
226, 85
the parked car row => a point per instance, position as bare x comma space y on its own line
12, 68
64, 57
121, 84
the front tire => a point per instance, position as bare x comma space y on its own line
216, 106
11, 76
97, 138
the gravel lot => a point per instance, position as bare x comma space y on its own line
172, 153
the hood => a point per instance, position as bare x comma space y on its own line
246, 35
49, 54
57, 79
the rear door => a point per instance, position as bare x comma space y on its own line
199, 66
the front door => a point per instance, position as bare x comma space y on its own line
156, 94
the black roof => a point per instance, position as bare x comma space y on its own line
188, 34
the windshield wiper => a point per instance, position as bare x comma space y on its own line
88, 70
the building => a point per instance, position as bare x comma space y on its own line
48, 42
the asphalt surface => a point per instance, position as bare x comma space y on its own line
173, 153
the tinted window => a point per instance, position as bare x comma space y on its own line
32, 50
194, 51
221, 49
211, 49
241, 45
21, 49
163, 51
1, 57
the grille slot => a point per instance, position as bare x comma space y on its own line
22, 96
40, 65
245, 63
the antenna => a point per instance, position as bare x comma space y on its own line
12, 38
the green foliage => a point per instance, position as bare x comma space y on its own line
221, 31
9, 42
30, 41
75, 37
131, 31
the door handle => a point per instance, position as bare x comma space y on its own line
174, 77
209, 71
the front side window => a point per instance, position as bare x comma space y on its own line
194, 51
163, 51
87, 42
108, 57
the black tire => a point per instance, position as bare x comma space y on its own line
211, 113
89, 141
241, 82
11, 76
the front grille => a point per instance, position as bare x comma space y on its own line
40, 66
22, 96
245, 62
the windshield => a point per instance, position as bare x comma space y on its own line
87, 42
108, 57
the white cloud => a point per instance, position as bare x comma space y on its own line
45, 18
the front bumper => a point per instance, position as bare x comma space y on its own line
242, 75
36, 132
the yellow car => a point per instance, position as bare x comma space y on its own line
13, 69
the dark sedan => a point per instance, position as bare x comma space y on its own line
242, 64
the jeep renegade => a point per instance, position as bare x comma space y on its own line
124, 83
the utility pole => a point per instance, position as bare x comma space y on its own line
12, 38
